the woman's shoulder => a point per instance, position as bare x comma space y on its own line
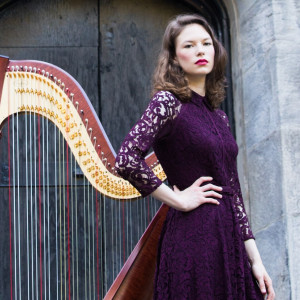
166, 98
165, 104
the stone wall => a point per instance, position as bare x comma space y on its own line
266, 80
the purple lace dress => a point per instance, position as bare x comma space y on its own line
201, 253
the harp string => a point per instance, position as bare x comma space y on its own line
31, 205
84, 229
68, 219
97, 244
56, 212
43, 199
76, 226
48, 211
27, 204
109, 233
38, 226
9, 206
18, 197
14, 206
72, 225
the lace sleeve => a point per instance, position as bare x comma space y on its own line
154, 123
241, 214
239, 207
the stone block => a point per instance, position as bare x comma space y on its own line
245, 7
257, 50
271, 242
265, 182
261, 109
294, 258
291, 169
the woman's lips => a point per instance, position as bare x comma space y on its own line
201, 62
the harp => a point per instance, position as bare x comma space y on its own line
66, 216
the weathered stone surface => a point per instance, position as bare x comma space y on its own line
287, 28
266, 83
291, 175
273, 249
286, 23
265, 182
257, 44
293, 244
291, 170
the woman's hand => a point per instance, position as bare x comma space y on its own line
264, 280
195, 195
258, 269
191, 197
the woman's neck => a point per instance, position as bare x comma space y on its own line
197, 84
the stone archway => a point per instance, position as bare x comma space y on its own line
263, 88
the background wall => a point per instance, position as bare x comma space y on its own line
110, 48
265, 46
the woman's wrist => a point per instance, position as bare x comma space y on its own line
255, 260
252, 252
166, 195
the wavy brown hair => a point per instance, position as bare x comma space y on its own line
169, 76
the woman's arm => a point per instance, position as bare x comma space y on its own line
258, 269
191, 197
154, 123
130, 161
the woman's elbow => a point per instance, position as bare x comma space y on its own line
120, 165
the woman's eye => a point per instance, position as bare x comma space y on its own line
207, 44
187, 46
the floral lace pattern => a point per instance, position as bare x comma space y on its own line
238, 202
201, 253
154, 124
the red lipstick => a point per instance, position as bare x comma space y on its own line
201, 62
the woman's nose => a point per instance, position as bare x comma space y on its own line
199, 49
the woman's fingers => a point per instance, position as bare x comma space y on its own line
206, 187
202, 179
271, 292
196, 194
212, 194
211, 200
210, 186
262, 286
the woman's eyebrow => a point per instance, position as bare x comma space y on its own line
191, 41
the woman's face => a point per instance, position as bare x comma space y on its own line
195, 51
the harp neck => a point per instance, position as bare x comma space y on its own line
44, 89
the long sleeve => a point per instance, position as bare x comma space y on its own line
238, 202
240, 212
154, 124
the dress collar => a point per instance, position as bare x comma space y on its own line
198, 100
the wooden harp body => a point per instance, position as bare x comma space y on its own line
61, 193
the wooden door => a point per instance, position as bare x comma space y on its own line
110, 47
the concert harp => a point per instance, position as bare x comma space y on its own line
67, 217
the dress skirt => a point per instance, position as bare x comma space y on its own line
202, 256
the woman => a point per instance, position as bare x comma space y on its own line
207, 250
